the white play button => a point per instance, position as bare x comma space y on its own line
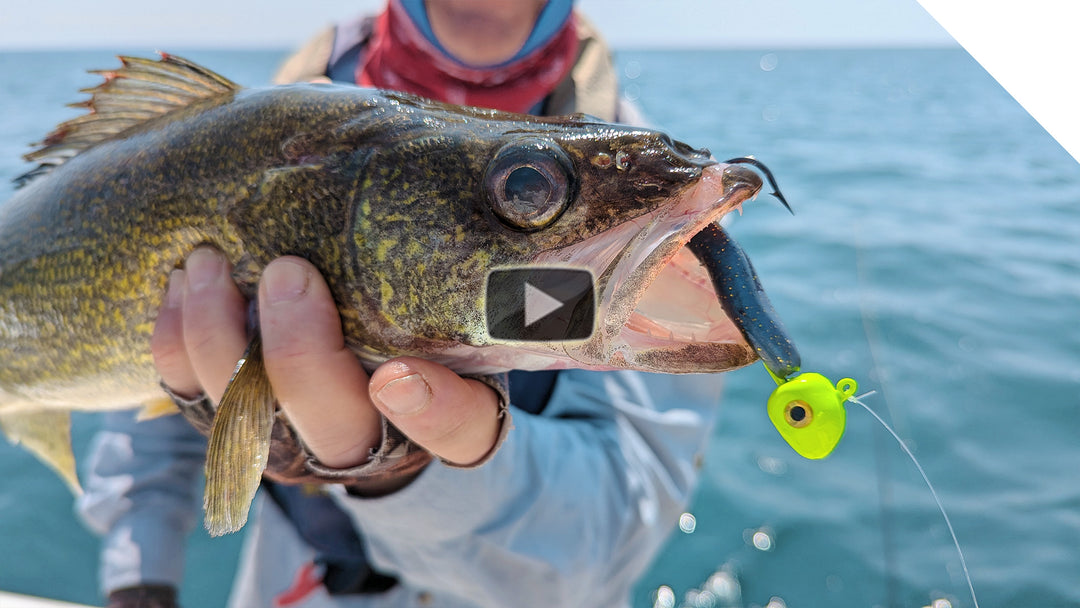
539, 304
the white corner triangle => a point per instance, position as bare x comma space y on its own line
1030, 48
538, 304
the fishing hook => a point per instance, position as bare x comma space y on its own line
750, 160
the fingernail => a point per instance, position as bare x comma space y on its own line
285, 281
405, 395
204, 266
174, 295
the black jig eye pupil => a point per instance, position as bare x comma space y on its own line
798, 413
528, 185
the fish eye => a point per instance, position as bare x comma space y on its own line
529, 184
798, 413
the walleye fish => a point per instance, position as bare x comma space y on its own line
404, 204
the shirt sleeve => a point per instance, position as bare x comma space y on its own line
572, 508
142, 495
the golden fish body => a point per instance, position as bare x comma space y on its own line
405, 205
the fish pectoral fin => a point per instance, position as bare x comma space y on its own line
47, 434
239, 444
157, 408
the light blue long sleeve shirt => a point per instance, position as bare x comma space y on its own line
141, 494
569, 512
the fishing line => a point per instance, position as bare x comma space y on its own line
808, 411
881, 460
937, 499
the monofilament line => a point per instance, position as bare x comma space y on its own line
941, 507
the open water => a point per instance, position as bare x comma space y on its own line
934, 257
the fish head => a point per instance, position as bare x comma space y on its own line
500, 191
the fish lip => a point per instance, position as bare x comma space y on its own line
737, 180
646, 246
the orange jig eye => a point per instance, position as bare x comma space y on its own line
798, 414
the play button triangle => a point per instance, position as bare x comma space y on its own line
538, 304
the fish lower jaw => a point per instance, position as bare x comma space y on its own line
679, 347
685, 357
642, 332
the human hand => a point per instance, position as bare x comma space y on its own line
327, 396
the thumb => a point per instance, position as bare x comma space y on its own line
455, 418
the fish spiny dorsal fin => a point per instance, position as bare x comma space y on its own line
140, 90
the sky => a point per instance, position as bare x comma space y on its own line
154, 25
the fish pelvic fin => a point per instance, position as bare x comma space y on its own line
47, 434
239, 444
138, 91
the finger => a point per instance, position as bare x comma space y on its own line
455, 418
214, 320
167, 342
318, 381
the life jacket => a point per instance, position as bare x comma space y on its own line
591, 87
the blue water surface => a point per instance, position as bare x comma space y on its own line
934, 257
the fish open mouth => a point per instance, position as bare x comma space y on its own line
676, 294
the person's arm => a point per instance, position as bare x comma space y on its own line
142, 496
572, 508
309, 62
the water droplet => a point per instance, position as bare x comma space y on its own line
696, 598
726, 587
771, 465
687, 523
762, 541
665, 597
768, 62
706, 599
776, 602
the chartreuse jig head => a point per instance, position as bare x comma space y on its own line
809, 412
